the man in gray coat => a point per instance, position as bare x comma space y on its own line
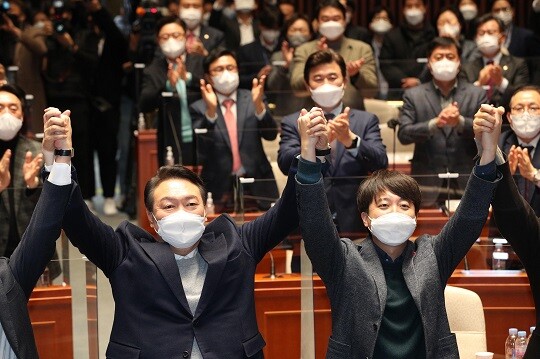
387, 293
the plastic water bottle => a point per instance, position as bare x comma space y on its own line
169, 158
530, 335
210, 209
521, 344
141, 124
500, 256
510, 344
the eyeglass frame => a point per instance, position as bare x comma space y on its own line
220, 69
535, 109
175, 35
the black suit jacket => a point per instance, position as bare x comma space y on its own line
152, 316
231, 29
523, 43
215, 147
514, 69
509, 138
358, 33
251, 59
211, 38
19, 274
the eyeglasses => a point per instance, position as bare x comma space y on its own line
533, 110
218, 70
174, 35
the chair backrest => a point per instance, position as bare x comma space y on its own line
466, 317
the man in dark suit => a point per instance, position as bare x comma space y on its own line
239, 30
521, 141
200, 39
402, 46
237, 120
437, 118
20, 272
356, 144
499, 72
178, 72
516, 220
188, 292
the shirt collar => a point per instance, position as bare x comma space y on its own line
386, 259
534, 142
191, 254
337, 110
222, 97
496, 59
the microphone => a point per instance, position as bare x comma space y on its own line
392, 123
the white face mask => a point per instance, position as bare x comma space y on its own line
9, 126
488, 44
297, 38
181, 229
226, 83
380, 26
191, 16
452, 31
393, 228
327, 95
469, 12
504, 16
332, 30
270, 36
414, 16
173, 48
444, 70
525, 125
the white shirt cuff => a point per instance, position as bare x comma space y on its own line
60, 174
211, 119
260, 116
504, 85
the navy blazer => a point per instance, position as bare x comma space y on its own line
436, 152
341, 192
214, 147
152, 316
19, 273
509, 138
211, 38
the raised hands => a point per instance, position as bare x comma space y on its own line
5, 175
490, 75
487, 129
57, 133
520, 158
257, 94
288, 53
174, 74
31, 168
353, 67
449, 116
313, 132
339, 129
209, 98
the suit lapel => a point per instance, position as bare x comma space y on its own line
18, 175
162, 256
374, 267
433, 99
408, 273
213, 250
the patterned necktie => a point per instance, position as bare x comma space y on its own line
190, 39
230, 122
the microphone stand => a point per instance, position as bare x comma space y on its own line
393, 123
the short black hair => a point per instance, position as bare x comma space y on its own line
324, 57
525, 88
454, 11
169, 20
396, 182
330, 3
21, 95
489, 17
442, 41
294, 18
214, 55
165, 173
492, 2
270, 18
379, 8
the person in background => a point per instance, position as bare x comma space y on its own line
469, 11
450, 23
380, 21
29, 56
353, 31
239, 30
496, 70
20, 163
357, 54
437, 117
287, 8
520, 143
387, 292
12, 22
200, 38
237, 121
254, 58
173, 70
402, 46
516, 219
354, 136
296, 32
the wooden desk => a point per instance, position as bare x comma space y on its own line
507, 301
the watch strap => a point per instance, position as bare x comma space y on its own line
64, 153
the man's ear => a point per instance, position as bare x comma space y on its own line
365, 219
509, 117
151, 219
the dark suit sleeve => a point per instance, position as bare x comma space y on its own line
518, 223
289, 144
268, 127
410, 129
520, 78
264, 233
153, 84
38, 241
372, 151
465, 225
390, 64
